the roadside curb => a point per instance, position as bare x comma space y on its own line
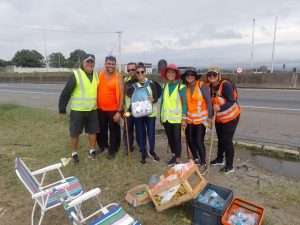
271, 149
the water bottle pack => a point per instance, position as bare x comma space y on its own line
241, 217
212, 198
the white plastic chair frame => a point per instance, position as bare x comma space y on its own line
77, 216
41, 196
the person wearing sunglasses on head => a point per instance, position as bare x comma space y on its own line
129, 79
173, 109
110, 106
199, 114
81, 91
227, 114
144, 94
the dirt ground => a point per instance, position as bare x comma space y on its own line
40, 138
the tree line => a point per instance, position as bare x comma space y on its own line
32, 58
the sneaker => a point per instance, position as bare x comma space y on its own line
227, 170
203, 168
217, 162
111, 156
172, 161
75, 157
197, 161
143, 160
92, 154
154, 156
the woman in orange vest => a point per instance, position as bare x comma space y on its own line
199, 114
110, 106
227, 112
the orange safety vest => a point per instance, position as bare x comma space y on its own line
108, 97
232, 112
196, 106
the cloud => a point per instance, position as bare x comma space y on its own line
185, 31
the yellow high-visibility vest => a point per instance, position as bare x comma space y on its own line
84, 96
171, 109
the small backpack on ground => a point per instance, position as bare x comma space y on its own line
140, 102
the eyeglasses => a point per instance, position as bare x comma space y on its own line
131, 70
140, 72
212, 74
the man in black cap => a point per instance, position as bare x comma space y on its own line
81, 92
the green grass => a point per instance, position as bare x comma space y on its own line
41, 138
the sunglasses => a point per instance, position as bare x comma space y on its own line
212, 74
140, 72
131, 70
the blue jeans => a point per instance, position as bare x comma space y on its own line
145, 127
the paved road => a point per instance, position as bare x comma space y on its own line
268, 115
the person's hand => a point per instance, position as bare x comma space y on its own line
117, 117
183, 123
217, 108
151, 99
209, 123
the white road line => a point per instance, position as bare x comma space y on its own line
269, 108
28, 92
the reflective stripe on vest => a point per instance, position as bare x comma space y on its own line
171, 110
229, 114
197, 109
85, 93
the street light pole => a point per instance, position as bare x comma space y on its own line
120, 49
252, 44
274, 42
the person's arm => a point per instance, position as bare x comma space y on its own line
182, 93
205, 90
227, 94
66, 94
156, 91
121, 100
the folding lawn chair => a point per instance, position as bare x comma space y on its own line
51, 195
111, 214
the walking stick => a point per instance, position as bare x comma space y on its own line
126, 115
211, 143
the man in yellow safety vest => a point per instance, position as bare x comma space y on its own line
81, 92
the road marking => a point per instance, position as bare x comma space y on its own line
29, 92
270, 108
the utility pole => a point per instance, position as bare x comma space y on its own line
120, 49
252, 44
274, 42
45, 47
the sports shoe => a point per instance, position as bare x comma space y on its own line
111, 155
154, 156
217, 162
203, 168
172, 161
197, 161
92, 154
143, 160
227, 170
75, 157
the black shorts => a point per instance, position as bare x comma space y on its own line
83, 119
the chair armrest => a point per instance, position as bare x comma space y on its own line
84, 197
47, 169
49, 190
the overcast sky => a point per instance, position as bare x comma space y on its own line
194, 32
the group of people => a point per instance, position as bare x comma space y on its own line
98, 103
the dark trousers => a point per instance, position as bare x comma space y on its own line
130, 125
195, 138
145, 128
106, 124
173, 131
225, 134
